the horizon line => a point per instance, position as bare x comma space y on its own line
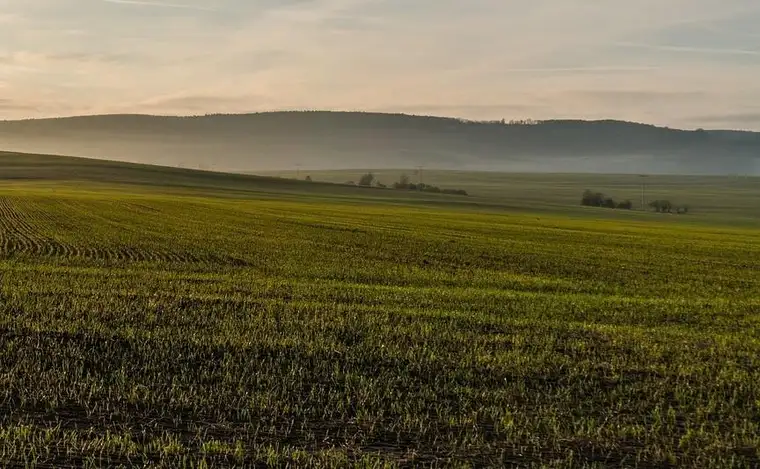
523, 121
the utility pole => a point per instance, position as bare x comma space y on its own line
643, 191
298, 170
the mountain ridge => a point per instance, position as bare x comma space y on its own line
346, 139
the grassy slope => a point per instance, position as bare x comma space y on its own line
167, 327
19, 167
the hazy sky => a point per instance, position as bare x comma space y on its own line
692, 63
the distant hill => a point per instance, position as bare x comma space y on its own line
335, 140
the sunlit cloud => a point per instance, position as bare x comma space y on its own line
688, 49
161, 5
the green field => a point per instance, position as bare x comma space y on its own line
724, 199
169, 318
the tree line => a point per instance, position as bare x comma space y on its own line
404, 183
665, 206
597, 199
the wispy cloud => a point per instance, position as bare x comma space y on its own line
589, 69
689, 49
162, 5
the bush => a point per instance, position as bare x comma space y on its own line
661, 206
307, 178
455, 191
403, 182
367, 179
592, 199
597, 199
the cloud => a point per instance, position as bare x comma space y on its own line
198, 104
161, 5
646, 60
748, 119
635, 95
9, 18
587, 69
31, 60
12, 105
689, 49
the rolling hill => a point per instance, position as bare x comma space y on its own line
335, 140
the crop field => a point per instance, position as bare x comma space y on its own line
145, 328
725, 199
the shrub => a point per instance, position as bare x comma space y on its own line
367, 179
455, 191
403, 182
597, 199
592, 199
661, 206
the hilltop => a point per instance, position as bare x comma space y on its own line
335, 140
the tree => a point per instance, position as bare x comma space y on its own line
307, 178
608, 203
592, 199
661, 206
367, 179
625, 205
403, 182
454, 191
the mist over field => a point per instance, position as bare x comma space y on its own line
341, 140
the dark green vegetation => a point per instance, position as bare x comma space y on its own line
281, 140
597, 199
226, 326
403, 184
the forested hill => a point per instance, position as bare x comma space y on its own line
334, 140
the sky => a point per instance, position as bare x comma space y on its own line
680, 63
